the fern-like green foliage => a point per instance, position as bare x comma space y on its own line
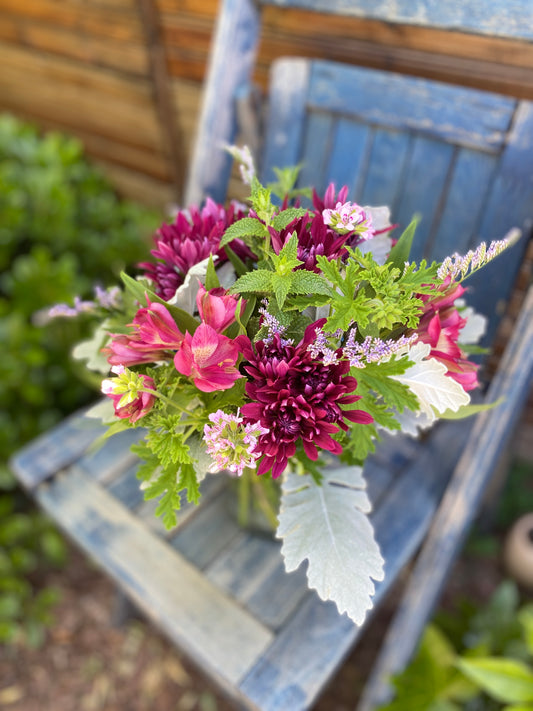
367, 292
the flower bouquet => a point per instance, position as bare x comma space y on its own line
260, 342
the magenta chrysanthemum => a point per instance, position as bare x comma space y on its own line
191, 238
297, 399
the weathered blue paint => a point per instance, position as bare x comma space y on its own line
409, 103
512, 18
230, 68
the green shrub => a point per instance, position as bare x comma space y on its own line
475, 660
62, 230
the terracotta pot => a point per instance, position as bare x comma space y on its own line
518, 551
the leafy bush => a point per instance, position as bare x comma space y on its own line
62, 230
475, 660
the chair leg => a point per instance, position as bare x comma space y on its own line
123, 610
492, 431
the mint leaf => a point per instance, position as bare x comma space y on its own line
260, 280
243, 228
281, 286
284, 218
304, 282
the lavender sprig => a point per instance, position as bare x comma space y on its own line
458, 267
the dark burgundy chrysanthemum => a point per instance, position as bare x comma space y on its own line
297, 398
192, 237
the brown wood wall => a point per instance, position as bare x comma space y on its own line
125, 75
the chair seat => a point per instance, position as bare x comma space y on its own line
218, 592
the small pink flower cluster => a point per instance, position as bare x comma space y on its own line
349, 217
232, 444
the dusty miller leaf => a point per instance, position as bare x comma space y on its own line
328, 525
427, 378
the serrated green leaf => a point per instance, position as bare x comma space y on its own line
184, 321
258, 281
399, 254
361, 442
284, 218
189, 482
281, 286
287, 259
304, 282
243, 229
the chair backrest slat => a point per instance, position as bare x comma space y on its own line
452, 154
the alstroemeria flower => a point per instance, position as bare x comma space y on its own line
209, 358
154, 334
440, 327
127, 392
156, 327
217, 308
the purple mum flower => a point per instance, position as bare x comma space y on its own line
296, 398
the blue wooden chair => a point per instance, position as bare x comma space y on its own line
461, 158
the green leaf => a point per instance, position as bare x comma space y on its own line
505, 680
167, 444
170, 500
304, 282
211, 277
281, 286
377, 377
261, 201
184, 321
237, 263
287, 259
469, 410
399, 254
286, 180
242, 229
431, 681
525, 617
260, 280
284, 218
189, 481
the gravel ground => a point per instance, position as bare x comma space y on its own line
88, 664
